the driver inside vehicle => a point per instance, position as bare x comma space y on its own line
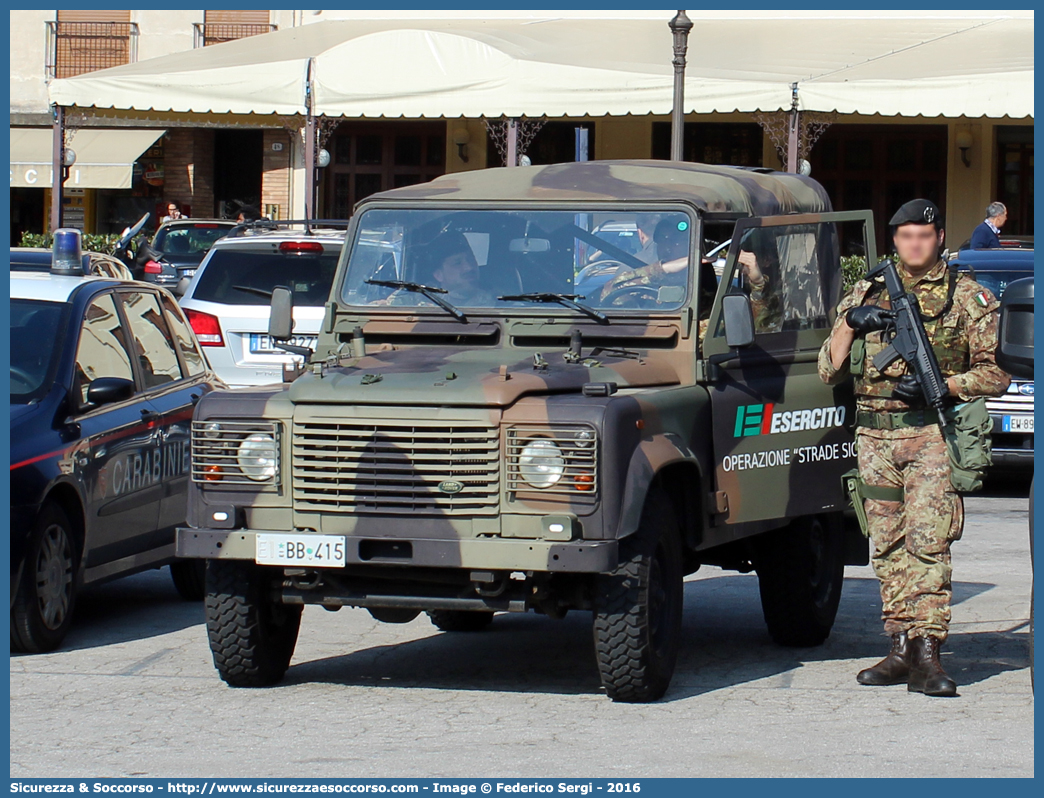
672, 249
449, 263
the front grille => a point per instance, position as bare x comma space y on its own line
575, 461
217, 452
1012, 401
396, 467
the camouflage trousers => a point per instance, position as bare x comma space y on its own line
911, 539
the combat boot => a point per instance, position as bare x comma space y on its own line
893, 669
926, 672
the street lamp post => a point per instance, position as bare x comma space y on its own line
58, 170
680, 27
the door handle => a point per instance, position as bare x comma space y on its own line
150, 416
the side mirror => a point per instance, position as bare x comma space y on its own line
181, 287
106, 390
739, 320
1015, 338
281, 319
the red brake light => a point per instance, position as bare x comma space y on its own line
199, 226
153, 268
300, 246
206, 327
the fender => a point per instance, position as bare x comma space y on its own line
649, 459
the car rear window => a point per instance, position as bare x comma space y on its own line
194, 239
245, 278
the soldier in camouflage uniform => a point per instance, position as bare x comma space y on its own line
912, 511
672, 266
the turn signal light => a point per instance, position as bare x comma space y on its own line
206, 327
584, 482
212, 473
153, 268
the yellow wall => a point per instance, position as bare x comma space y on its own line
969, 189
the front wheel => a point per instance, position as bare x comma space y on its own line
189, 578
638, 609
42, 611
252, 637
801, 569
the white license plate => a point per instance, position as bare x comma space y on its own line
1017, 424
261, 344
303, 551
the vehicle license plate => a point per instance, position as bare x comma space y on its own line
312, 551
261, 344
1017, 424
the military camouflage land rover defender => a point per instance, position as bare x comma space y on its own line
506, 411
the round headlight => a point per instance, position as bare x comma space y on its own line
212, 429
541, 464
257, 456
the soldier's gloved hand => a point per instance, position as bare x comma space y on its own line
909, 390
869, 318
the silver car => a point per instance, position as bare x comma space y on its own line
227, 300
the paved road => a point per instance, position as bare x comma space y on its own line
134, 691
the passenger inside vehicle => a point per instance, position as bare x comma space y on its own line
672, 247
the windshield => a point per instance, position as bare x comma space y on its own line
189, 242
34, 329
489, 258
247, 277
998, 281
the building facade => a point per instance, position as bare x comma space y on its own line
213, 164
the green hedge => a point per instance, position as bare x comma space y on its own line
92, 242
853, 269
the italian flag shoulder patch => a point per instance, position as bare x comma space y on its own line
982, 298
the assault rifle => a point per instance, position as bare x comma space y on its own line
908, 339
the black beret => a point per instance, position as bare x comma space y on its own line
918, 211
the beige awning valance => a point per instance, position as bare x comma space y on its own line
104, 158
911, 63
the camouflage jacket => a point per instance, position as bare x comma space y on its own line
964, 340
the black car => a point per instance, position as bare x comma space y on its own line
1012, 413
179, 247
105, 375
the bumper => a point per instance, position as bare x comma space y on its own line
1013, 458
485, 553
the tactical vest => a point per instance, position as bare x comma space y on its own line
946, 332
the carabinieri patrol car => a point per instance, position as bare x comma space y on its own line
104, 378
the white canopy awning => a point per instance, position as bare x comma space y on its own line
912, 64
104, 158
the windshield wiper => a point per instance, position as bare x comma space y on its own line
430, 292
568, 300
251, 290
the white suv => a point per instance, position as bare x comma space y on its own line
227, 301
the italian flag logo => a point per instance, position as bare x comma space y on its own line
982, 298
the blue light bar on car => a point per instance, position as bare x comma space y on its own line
66, 253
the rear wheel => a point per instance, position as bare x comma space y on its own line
801, 569
460, 620
638, 609
252, 637
189, 577
46, 594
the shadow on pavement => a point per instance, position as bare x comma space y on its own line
724, 644
132, 608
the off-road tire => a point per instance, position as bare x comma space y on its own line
252, 637
460, 620
189, 578
638, 609
46, 594
801, 570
